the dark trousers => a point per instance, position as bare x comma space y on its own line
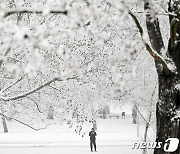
93, 143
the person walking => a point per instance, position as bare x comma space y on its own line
92, 135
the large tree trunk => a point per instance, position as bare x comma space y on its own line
168, 122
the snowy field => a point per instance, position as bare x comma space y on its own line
113, 136
70, 150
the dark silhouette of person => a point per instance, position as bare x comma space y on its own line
123, 115
92, 135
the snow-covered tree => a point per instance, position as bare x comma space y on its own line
46, 43
167, 65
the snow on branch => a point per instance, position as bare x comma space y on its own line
8, 12
23, 123
11, 85
157, 57
19, 122
160, 13
37, 106
36, 89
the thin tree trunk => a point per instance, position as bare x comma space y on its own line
4, 125
146, 131
50, 113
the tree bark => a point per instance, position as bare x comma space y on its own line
168, 123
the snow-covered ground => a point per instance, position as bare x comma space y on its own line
113, 136
70, 150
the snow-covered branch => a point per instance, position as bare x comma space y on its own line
159, 13
8, 12
36, 89
38, 108
23, 123
19, 122
157, 57
11, 85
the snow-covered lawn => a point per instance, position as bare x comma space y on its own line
109, 132
113, 135
70, 150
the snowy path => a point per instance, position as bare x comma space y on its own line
70, 150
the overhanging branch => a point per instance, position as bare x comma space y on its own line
38, 108
8, 12
11, 85
36, 89
19, 122
23, 123
153, 53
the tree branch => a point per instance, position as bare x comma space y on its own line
36, 129
35, 90
159, 13
19, 122
63, 92
152, 52
140, 114
35, 104
8, 12
11, 85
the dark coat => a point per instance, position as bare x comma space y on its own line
92, 135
